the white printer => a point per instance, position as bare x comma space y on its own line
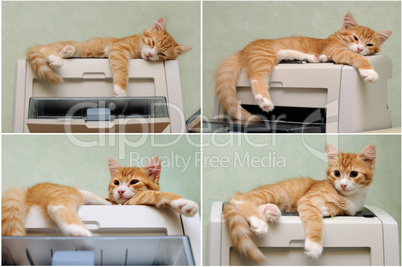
122, 235
85, 103
315, 97
369, 238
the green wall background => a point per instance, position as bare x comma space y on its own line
82, 161
290, 157
229, 26
29, 23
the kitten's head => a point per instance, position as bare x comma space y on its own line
158, 44
350, 173
359, 39
127, 181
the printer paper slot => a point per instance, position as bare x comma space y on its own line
77, 108
148, 250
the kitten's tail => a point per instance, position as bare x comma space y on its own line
225, 88
40, 66
13, 212
241, 235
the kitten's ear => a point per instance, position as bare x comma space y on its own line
368, 155
332, 154
153, 169
349, 21
160, 25
181, 49
383, 36
114, 166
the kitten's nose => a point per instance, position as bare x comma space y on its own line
343, 186
359, 50
121, 192
149, 54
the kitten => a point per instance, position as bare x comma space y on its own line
140, 186
153, 44
349, 177
58, 203
347, 46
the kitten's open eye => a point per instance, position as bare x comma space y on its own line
337, 173
356, 39
369, 44
134, 181
153, 43
354, 174
116, 182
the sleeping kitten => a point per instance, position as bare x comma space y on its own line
153, 44
59, 203
347, 46
342, 193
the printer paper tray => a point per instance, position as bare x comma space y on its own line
147, 250
134, 125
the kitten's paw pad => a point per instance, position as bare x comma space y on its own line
118, 91
369, 75
257, 226
312, 58
186, 207
55, 62
323, 58
67, 51
312, 249
271, 212
77, 230
264, 103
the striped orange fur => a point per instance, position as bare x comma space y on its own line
153, 44
343, 192
55, 202
347, 46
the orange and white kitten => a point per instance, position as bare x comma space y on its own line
140, 186
343, 192
153, 44
59, 203
347, 46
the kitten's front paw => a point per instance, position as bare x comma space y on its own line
76, 230
118, 92
312, 249
312, 58
323, 58
264, 103
55, 62
67, 51
369, 75
271, 212
186, 207
257, 226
